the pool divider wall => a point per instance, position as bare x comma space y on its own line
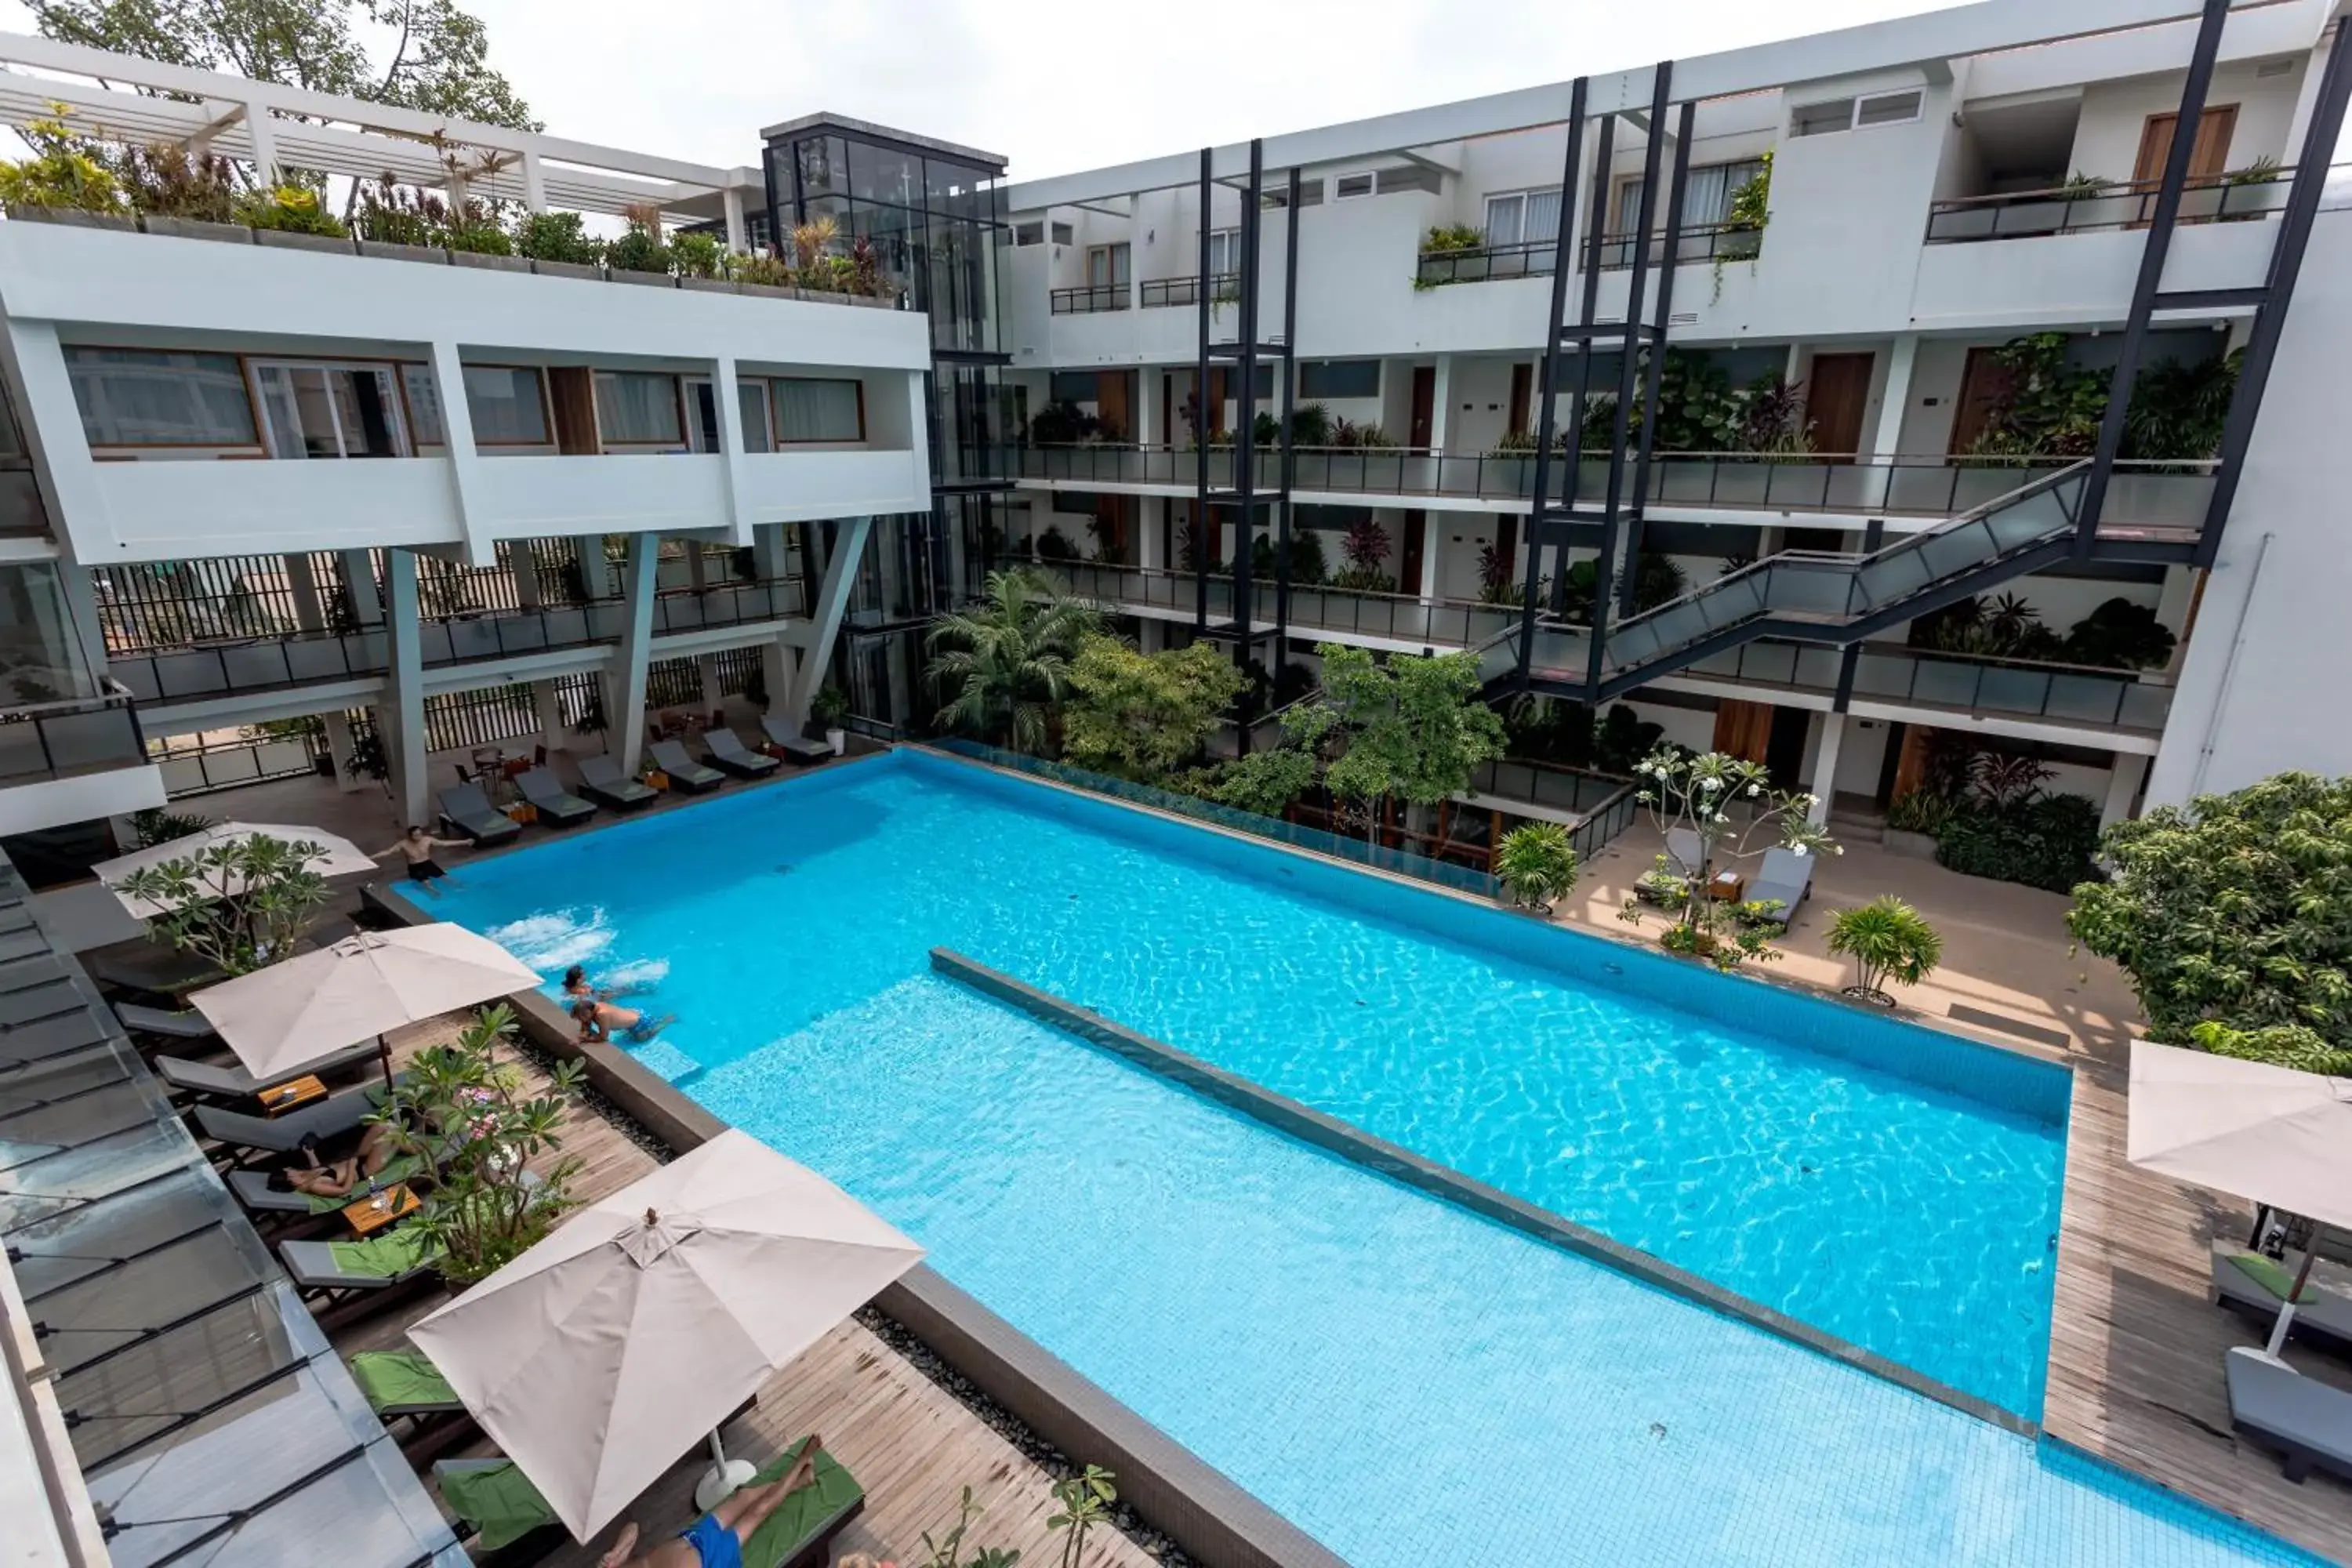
2016, 1077
1217, 1523
1335, 1137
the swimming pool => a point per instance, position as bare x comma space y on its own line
1395, 1374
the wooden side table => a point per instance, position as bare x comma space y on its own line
369, 1214
658, 780
1726, 887
280, 1098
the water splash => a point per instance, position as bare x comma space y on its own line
554, 942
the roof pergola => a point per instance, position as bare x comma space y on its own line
120, 98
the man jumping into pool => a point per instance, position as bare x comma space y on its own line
716, 1540
601, 1021
418, 846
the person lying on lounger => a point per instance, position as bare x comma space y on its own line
339, 1178
603, 1021
418, 846
716, 1540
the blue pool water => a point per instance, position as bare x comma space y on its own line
1393, 1373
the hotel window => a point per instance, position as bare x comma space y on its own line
1224, 251
752, 401
507, 404
813, 410
426, 425
1064, 234
1707, 196
638, 408
1523, 217
1855, 113
1107, 265
1352, 185
331, 410
1340, 378
138, 398
1028, 233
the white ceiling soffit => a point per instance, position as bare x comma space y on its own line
1935, 37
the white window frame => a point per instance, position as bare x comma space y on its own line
758, 430
1340, 193
1918, 97
1225, 243
389, 378
1521, 197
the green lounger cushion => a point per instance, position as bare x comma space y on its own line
400, 1380
386, 1256
2270, 1274
803, 1512
498, 1500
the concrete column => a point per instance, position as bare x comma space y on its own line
261, 129
1441, 399
358, 587
399, 719
1886, 439
625, 709
728, 406
832, 601
534, 186
1823, 782
733, 198
465, 462
1146, 403
770, 557
2123, 788
1152, 532
706, 665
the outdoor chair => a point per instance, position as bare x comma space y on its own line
686, 776
345, 1279
1684, 852
1786, 879
144, 1020
207, 1080
2309, 1423
553, 802
602, 780
2247, 1282
729, 753
468, 810
245, 1135
783, 737
414, 1400
253, 1191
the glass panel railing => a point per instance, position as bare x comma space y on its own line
2089, 206
729, 604
2065, 693
1544, 785
59, 740
187, 673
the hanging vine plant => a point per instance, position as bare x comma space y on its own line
1742, 237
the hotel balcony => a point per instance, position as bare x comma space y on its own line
70, 761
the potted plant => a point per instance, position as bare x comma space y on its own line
639, 256
291, 217
184, 195
770, 274
830, 708
559, 245
276, 893
62, 181
400, 225
1887, 940
703, 263
1536, 863
475, 240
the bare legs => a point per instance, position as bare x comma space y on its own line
741, 1514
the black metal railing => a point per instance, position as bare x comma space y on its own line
258, 666
1608, 818
1547, 785
1092, 300
1486, 263
2095, 206
1224, 287
1891, 673
1702, 242
60, 740
1440, 623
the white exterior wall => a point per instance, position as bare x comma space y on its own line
2115, 116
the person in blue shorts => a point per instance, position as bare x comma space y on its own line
603, 1021
718, 1538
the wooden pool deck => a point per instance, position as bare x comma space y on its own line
913, 1446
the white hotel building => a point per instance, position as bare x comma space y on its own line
589, 497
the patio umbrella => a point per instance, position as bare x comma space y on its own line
298, 1010
603, 1353
2269, 1133
341, 859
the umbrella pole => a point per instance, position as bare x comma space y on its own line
723, 1478
384, 1055
2286, 1310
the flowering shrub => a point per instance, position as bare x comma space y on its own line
1727, 807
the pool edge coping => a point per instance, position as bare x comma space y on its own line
1216, 1521
1379, 1156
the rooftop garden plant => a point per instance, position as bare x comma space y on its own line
295, 209
1888, 940
64, 171
699, 255
1726, 806
2232, 916
557, 236
640, 247
167, 180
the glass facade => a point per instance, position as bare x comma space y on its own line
934, 219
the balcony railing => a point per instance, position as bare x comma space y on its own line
2063, 693
1092, 300
272, 663
1486, 263
2092, 207
2163, 498
1702, 242
1223, 287
61, 739
1544, 785
1447, 622
1535, 257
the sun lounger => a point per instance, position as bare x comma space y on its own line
342, 1279
554, 802
602, 780
729, 753
468, 810
1684, 852
2309, 1423
210, 1081
686, 776
1786, 879
783, 738
143, 1020
414, 1400
251, 1189
2247, 1282
495, 1504
284, 1134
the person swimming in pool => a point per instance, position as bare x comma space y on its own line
577, 990
603, 1021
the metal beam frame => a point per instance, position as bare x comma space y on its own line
1289, 453
1548, 372
1243, 499
1205, 418
1668, 262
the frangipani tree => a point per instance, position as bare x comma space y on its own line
1726, 806
239, 904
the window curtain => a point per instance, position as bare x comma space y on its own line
132, 398
636, 407
818, 410
1707, 196
505, 403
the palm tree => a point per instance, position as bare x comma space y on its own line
1004, 664
1887, 940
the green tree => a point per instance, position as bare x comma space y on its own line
1536, 863
1266, 782
1413, 728
1729, 810
432, 56
1887, 940
238, 905
1004, 666
2235, 910
1143, 715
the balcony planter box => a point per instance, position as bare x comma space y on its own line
489, 260
1912, 845
653, 279
708, 284
196, 228
295, 240
567, 268
74, 217
772, 290
385, 251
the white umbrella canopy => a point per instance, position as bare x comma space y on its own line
2269, 1133
340, 858
604, 1352
295, 1011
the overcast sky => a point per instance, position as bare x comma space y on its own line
1066, 86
